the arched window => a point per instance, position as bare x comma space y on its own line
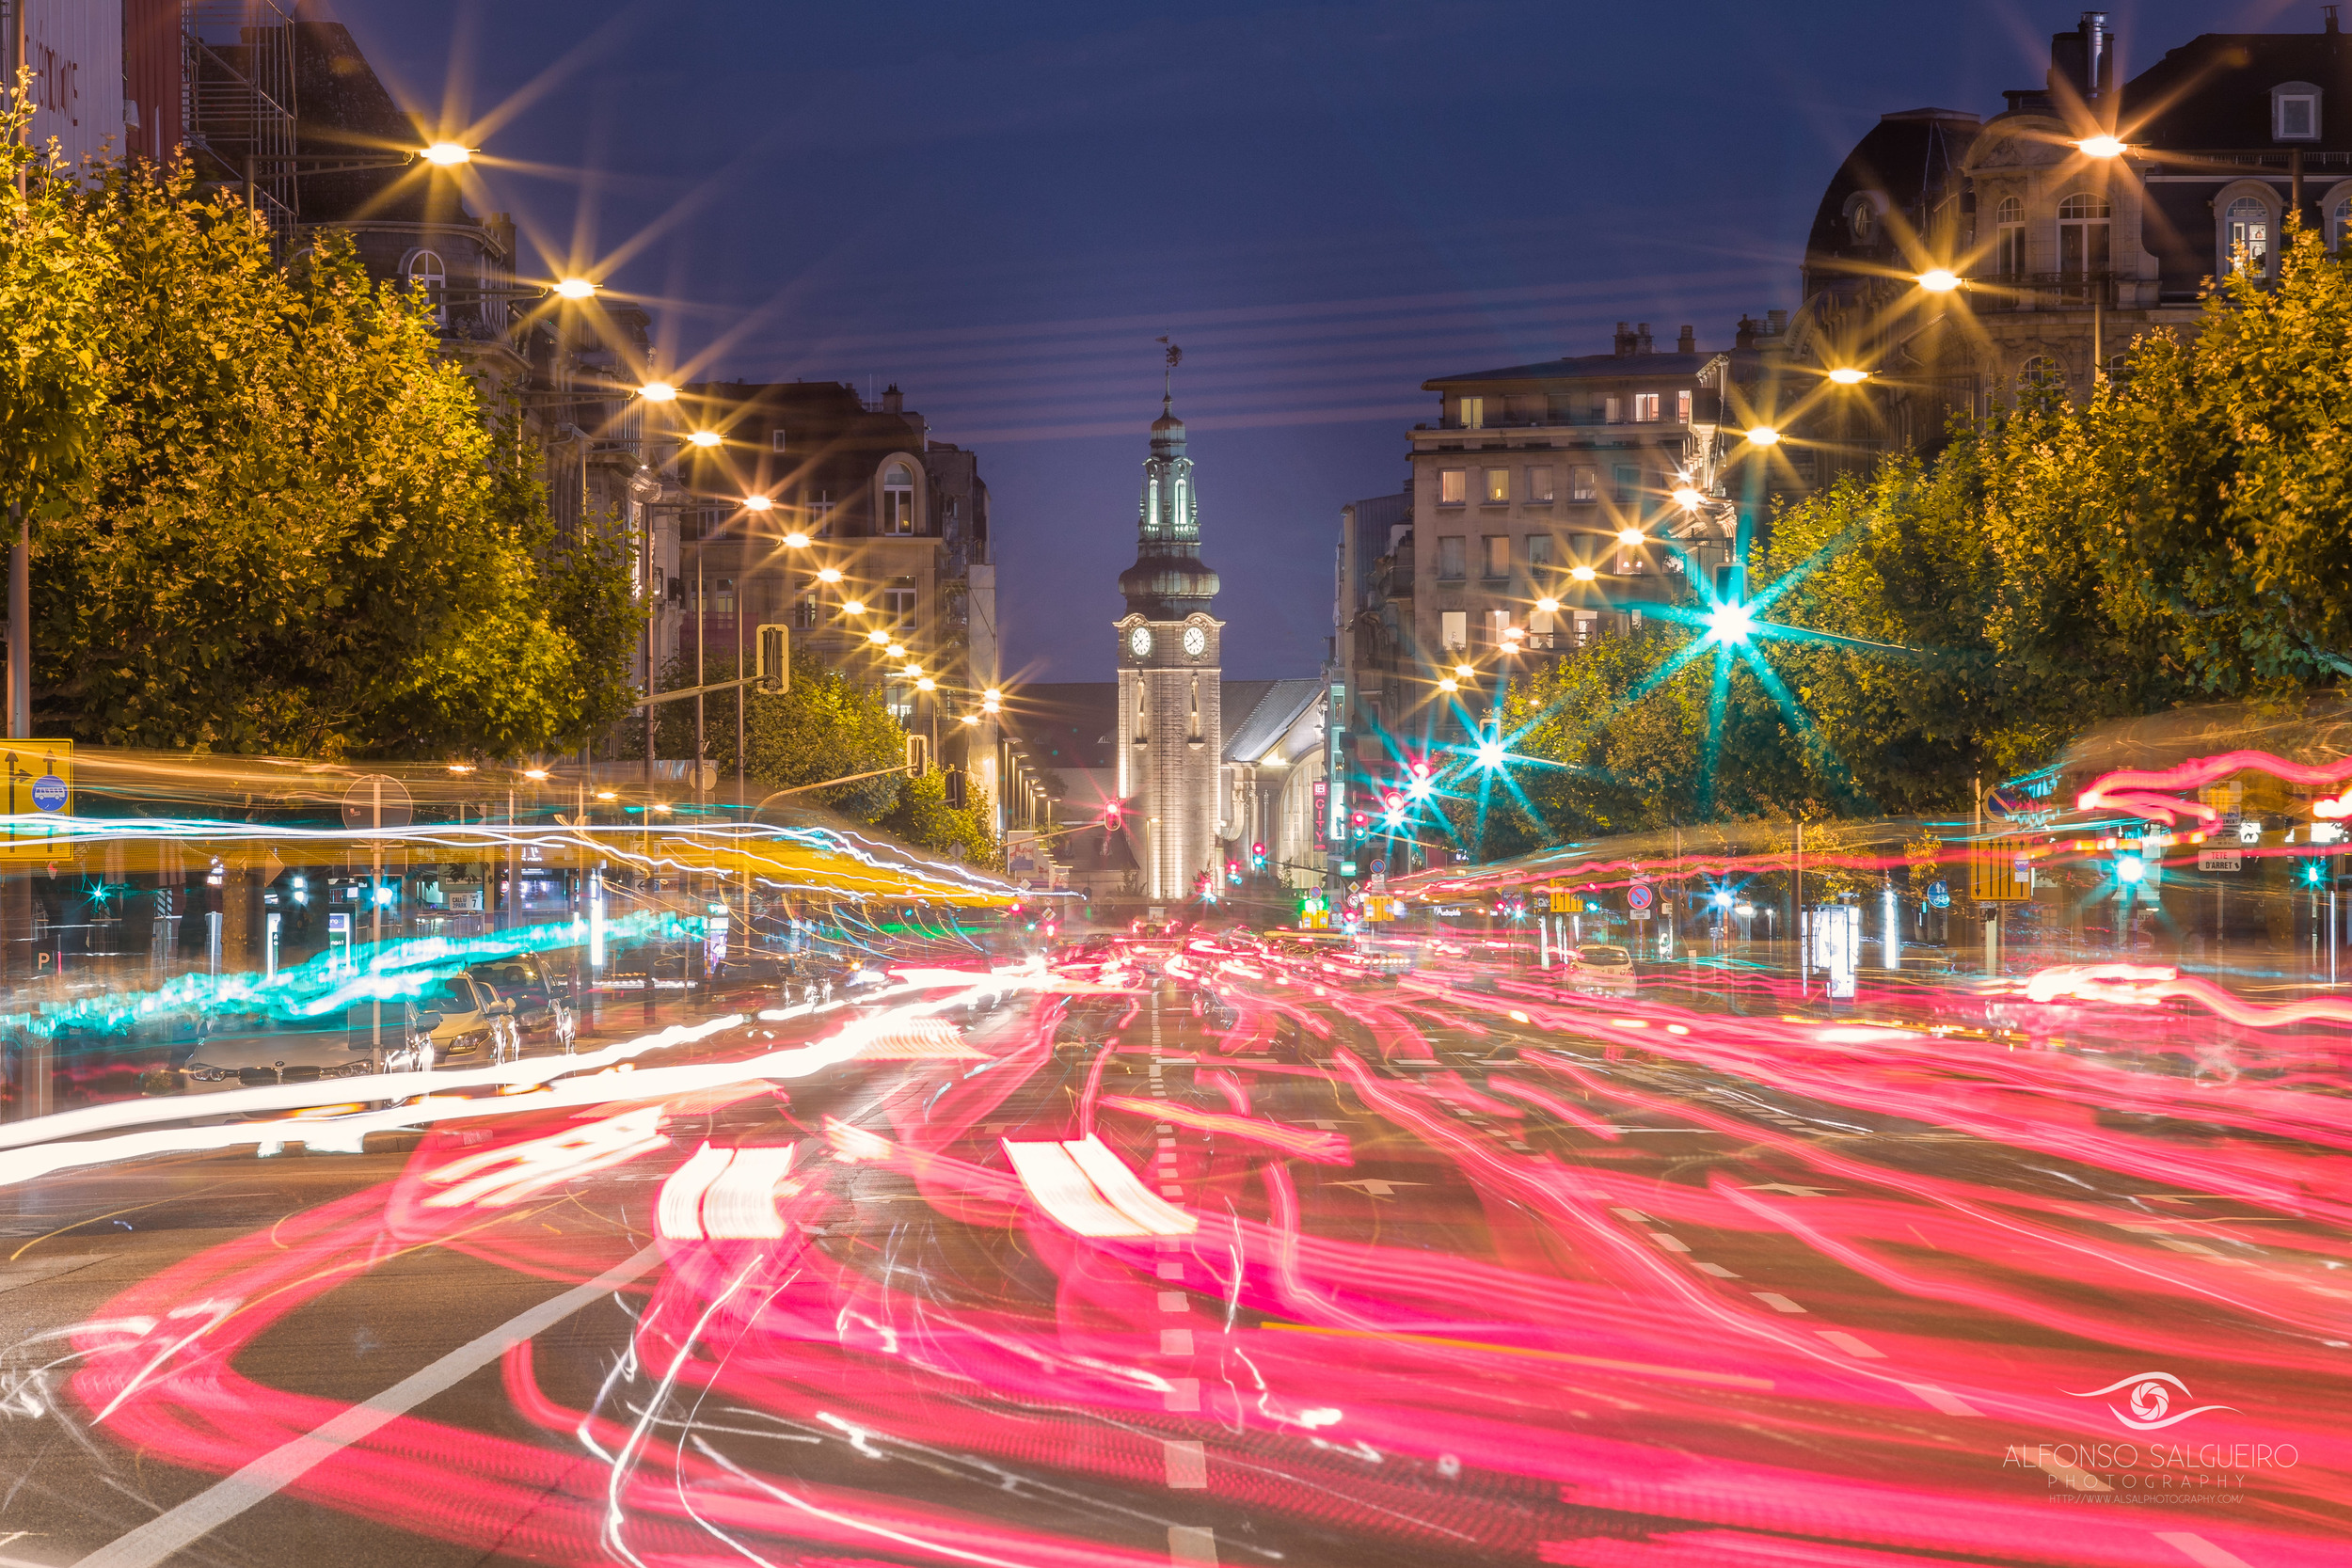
1862, 217
425, 271
2040, 370
2083, 222
2009, 238
2246, 236
898, 516
2337, 222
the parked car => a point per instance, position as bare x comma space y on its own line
459, 1021
541, 993
258, 1054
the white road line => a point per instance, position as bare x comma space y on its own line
1715, 1268
1173, 1341
175, 1530
1672, 1243
1184, 1393
1175, 1301
2200, 1550
1851, 1345
1191, 1545
1777, 1302
1936, 1399
1188, 1465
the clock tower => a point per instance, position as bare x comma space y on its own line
1171, 731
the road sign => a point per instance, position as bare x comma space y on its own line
373, 793
2000, 871
2219, 860
41, 784
1637, 898
1939, 895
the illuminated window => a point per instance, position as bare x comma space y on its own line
1498, 485
1683, 407
2083, 222
1612, 410
1473, 413
1454, 629
1494, 555
2338, 221
897, 516
2009, 252
425, 272
1539, 483
1449, 559
2246, 236
1497, 623
1453, 486
1583, 484
723, 597
1645, 407
1538, 552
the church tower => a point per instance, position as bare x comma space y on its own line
1172, 733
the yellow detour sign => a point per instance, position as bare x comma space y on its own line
2000, 871
40, 780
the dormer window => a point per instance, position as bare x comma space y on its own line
2295, 112
1862, 217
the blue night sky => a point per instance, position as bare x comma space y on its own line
999, 207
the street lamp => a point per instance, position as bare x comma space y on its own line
1463, 671
796, 540
448, 155
2100, 146
705, 439
657, 391
1939, 280
878, 635
854, 607
829, 573
1449, 684
1582, 573
758, 503
1763, 435
1547, 604
575, 288
1687, 497
1846, 375
1629, 536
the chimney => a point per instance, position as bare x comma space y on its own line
2331, 29
1746, 337
1779, 321
2097, 66
1641, 338
1688, 342
894, 401
1625, 342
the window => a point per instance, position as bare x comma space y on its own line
804, 613
2246, 237
1494, 556
898, 603
1453, 486
2041, 371
1583, 484
427, 274
1540, 553
1683, 407
2083, 235
1449, 559
1629, 482
2295, 112
775, 440
1497, 623
1614, 409
820, 513
1474, 414
898, 516
1645, 408
2338, 221
1454, 628
723, 597
1862, 217
2008, 245
1587, 626
1539, 478
1498, 486
1543, 622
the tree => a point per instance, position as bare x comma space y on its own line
55, 269
292, 531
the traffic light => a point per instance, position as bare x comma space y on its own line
1257, 856
1233, 872
1111, 817
1392, 802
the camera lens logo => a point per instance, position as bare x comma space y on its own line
2152, 1397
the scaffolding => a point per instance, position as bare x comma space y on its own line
237, 100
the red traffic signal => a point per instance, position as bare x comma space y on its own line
1393, 800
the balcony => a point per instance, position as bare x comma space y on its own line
2047, 291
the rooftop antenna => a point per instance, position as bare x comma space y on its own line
1167, 376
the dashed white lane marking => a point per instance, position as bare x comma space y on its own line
1633, 1216
1175, 1341
1777, 1302
1175, 1301
1171, 1269
1851, 1345
1936, 1399
1715, 1268
1171, 1192
1188, 1465
1672, 1243
1184, 1393
2200, 1550
1191, 1545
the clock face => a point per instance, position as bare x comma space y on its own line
1194, 640
1140, 641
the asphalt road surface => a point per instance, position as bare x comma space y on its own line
1227, 1253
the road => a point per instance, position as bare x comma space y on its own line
1234, 1253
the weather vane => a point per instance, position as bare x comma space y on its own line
1167, 377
